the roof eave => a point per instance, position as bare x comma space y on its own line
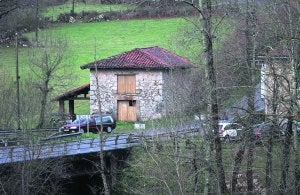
140, 68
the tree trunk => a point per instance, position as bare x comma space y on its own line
107, 190
249, 173
250, 60
237, 166
292, 45
73, 8
196, 170
37, 22
286, 155
45, 91
269, 163
208, 169
296, 138
269, 167
213, 99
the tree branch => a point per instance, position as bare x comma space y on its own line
197, 8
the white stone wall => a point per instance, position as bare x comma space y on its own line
107, 83
177, 91
149, 95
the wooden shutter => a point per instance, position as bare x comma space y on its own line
126, 84
130, 83
121, 84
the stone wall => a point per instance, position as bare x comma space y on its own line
177, 91
149, 94
276, 75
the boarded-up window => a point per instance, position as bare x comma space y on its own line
126, 84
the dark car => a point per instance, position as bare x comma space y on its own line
295, 127
91, 124
264, 129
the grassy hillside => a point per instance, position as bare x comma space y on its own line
110, 38
54, 11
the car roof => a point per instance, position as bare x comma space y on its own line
226, 123
95, 115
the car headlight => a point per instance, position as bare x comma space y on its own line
73, 127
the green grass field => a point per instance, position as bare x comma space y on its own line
54, 11
110, 38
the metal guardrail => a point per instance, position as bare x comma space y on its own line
12, 154
29, 151
16, 131
19, 137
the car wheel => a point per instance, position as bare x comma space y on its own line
227, 138
109, 129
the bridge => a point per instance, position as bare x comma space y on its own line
14, 154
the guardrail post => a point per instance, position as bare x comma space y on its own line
116, 140
103, 141
91, 143
65, 148
129, 139
78, 144
11, 154
141, 137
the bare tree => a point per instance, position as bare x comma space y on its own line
46, 63
7, 6
213, 107
284, 16
103, 170
73, 8
251, 34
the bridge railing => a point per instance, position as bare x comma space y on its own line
21, 137
57, 148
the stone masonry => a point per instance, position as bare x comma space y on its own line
149, 92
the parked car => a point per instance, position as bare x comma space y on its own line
296, 127
229, 131
59, 119
262, 130
93, 123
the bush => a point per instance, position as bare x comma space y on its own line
141, 12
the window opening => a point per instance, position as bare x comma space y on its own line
132, 103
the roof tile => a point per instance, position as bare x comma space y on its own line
142, 58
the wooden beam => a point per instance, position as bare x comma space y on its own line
79, 98
71, 109
61, 108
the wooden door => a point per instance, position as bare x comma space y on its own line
127, 111
131, 114
122, 110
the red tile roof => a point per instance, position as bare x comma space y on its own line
142, 58
84, 89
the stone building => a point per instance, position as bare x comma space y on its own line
272, 92
141, 84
